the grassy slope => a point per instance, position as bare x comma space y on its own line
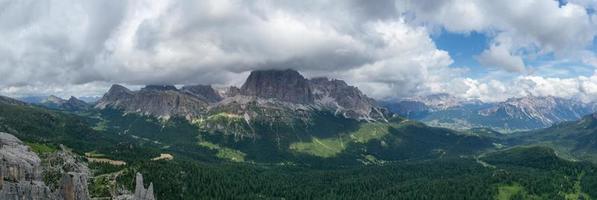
506, 192
573, 140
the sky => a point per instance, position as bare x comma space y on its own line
391, 49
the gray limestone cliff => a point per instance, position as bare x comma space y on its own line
343, 98
203, 92
140, 192
264, 93
160, 101
284, 85
22, 172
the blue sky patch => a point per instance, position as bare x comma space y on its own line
463, 48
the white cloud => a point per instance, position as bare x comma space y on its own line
70, 47
491, 90
407, 63
500, 56
534, 26
213, 42
591, 4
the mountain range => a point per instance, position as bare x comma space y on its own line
514, 114
288, 89
287, 115
280, 112
281, 135
268, 88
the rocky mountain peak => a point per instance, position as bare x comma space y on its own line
349, 100
54, 99
159, 88
156, 100
285, 85
115, 94
74, 103
541, 110
441, 101
75, 100
118, 91
540, 103
118, 88
276, 88
204, 92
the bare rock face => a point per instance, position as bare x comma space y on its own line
117, 94
284, 85
140, 192
54, 100
160, 101
74, 186
160, 87
348, 100
203, 92
73, 172
20, 171
21, 174
75, 104
231, 92
18, 163
538, 112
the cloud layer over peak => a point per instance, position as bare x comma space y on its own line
386, 47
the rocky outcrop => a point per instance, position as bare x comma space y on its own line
160, 101
140, 192
284, 85
231, 91
74, 186
160, 87
73, 173
117, 94
342, 98
203, 92
21, 173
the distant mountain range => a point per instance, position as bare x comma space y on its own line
41, 99
72, 104
526, 113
